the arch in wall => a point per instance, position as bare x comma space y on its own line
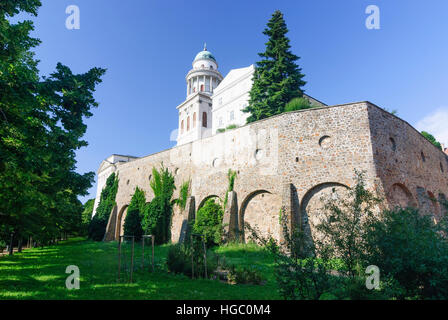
427, 202
312, 205
400, 196
260, 210
201, 204
120, 221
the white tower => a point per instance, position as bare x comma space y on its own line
195, 113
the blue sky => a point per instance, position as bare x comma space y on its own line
148, 46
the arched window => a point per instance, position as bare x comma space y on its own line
204, 119
202, 87
182, 126
188, 123
194, 120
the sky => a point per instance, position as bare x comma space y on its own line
147, 47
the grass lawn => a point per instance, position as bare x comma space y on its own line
40, 274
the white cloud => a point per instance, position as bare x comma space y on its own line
436, 123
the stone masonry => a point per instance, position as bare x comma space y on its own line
288, 162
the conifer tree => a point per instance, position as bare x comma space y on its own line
133, 220
277, 78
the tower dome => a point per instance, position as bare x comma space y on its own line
204, 77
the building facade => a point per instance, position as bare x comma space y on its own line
285, 163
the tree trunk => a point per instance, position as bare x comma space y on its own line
19, 249
11, 246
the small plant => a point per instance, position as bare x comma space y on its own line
180, 257
299, 103
232, 126
220, 130
244, 275
183, 195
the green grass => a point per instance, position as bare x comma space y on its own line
39, 273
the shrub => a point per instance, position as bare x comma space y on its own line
133, 220
179, 260
157, 215
220, 130
231, 126
410, 249
244, 275
298, 104
208, 222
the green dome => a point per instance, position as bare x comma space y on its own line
205, 55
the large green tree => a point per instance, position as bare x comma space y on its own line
133, 220
41, 127
277, 78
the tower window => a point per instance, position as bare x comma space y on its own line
204, 119
202, 87
182, 126
188, 123
211, 67
232, 115
194, 120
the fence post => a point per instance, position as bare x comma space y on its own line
119, 257
152, 241
205, 257
132, 258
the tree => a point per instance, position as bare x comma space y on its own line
209, 222
277, 78
86, 215
431, 139
157, 216
41, 127
133, 220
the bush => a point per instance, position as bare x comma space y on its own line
86, 216
409, 248
157, 215
133, 220
298, 104
179, 260
244, 275
208, 222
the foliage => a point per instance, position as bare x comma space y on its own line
231, 126
231, 176
86, 215
344, 227
298, 103
410, 249
208, 222
221, 130
183, 195
277, 78
157, 215
133, 220
244, 275
41, 128
431, 139
179, 260
98, 224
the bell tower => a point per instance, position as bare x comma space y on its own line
195, 113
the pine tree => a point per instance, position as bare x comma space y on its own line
277, 78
